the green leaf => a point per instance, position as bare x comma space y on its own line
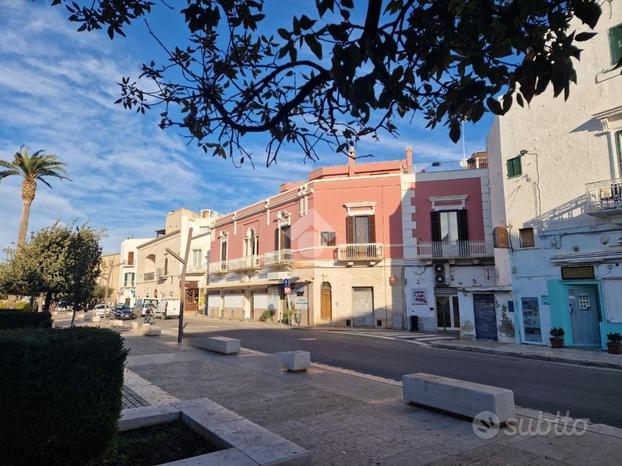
284, 33
454, 130
314, 45
587, 11
583, 36
494, 106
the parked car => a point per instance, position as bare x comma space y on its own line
123, 312
167, 308
63, 307
101, 310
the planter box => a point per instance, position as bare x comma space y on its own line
244, 442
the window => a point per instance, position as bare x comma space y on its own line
130, 258
166, 266
450, 225
328, 238
618, 143
514, 167
251, 243
223, 250
282, 238
578, 272
361, 229
615, 43
527, 239
500, 237
128, 279
197, 257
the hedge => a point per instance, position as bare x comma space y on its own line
10, 318
60, 394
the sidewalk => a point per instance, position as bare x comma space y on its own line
348, 418
584, 357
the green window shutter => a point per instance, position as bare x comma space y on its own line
514, 167
615, 42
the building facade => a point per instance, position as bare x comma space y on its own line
450, 278
127, 270
324, 251
109, 276
556, 183
158, 272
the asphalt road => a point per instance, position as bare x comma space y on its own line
584, 392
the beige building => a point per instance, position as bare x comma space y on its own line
109, 275
158, 272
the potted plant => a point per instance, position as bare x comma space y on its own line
557, 337
614, 345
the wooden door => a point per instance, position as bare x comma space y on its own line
191, 303
326, 310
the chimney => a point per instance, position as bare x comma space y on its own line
409, 159
351, 161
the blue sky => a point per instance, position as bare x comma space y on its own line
57, 89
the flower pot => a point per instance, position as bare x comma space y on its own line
614, 348
556, 342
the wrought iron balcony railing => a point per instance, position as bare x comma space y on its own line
278, 258
452, 249
360, 252
604, 197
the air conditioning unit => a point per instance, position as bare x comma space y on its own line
440, 274
159, 272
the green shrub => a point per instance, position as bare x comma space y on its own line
12, 318
60, 394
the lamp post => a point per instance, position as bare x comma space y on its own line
182, 284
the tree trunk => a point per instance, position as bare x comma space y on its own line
47, 302
73, 316
29, 188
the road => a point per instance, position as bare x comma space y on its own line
585, 392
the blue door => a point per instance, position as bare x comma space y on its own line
485, 317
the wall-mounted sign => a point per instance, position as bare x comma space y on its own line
419, 297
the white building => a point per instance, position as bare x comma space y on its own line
126, 289
158, 272
556, 188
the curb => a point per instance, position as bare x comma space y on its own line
519, 354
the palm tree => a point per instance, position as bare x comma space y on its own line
32, 168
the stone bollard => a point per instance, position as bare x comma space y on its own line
116, 323
296, 361
152, 330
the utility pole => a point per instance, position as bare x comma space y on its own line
182, 283
111, 264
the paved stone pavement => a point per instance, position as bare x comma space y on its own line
347, 418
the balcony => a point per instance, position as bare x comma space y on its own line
279, 258
196, 268
360, 252
243, 263
454, 249
149, 276
604, 197
218, 267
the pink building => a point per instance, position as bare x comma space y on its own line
449, 268
336, 238
346, 241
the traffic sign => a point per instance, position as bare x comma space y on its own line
286, 282
287, 290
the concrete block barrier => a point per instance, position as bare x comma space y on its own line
223, 345
152, 330
458, 396
295, 361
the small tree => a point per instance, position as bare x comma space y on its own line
81, 268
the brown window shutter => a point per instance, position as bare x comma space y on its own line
130, 258
463, 225
435, 218
350, 230
277, 231
372, 228
287, 237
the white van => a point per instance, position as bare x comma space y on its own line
167, 309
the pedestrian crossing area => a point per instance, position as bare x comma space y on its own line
416, 338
